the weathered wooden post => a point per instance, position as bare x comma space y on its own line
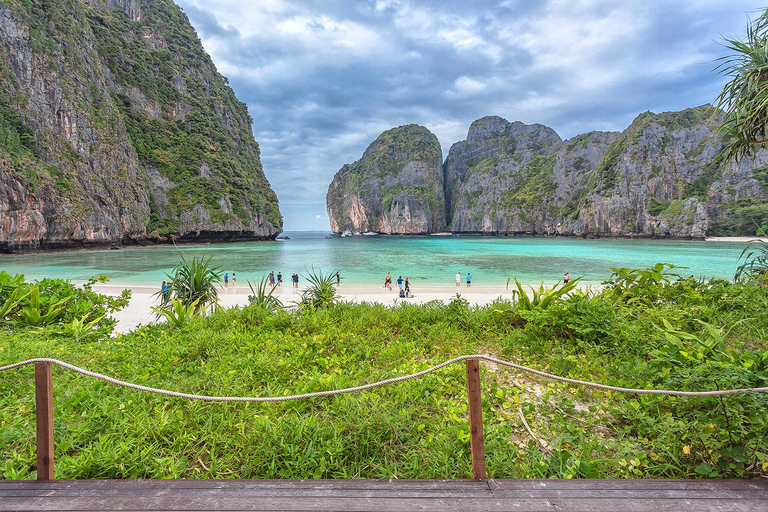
476, 440
44, 417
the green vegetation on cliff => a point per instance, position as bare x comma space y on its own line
204, 126
137, 131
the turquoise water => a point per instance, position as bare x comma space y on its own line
363, 260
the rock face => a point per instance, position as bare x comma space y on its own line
661, 177
395, 188
116, 127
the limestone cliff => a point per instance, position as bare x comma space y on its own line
115, 126
659, 177
395, 188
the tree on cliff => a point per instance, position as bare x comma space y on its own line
744, 98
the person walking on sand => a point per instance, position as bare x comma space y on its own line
469, 279
280, 279
226, 280
407, 288
338, 279
295, 279
272, 279
234, 280
400, 282
566, 278
458, 279
388, 282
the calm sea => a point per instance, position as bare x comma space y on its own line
363, 260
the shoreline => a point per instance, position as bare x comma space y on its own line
138, 311
80, 246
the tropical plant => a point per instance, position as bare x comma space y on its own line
263, 296
755, 265
321, 291
541, 298
178, 313
58, 306
192, 281
641, 284
744, 99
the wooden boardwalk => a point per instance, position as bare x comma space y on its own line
391, 496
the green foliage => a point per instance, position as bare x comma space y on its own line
656, 207
213, 132
321, 292
192, 282
263, 296
541, 298
178, 313
678, 334
57, 307
755, 262
537, 184
640, 284
744, 99
15, 136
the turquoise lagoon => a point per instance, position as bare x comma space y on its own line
365, 260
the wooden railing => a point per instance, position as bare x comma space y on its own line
44, 420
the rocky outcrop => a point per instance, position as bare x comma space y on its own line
395, 188
662, 177
116, 127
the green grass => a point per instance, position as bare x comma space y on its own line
624, 336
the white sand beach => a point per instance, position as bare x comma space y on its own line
138, 311
737, 239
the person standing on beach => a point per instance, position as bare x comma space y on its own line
338, 279
400, 282
407, 288
388, 282
280, 279
164, 290
566, 278
272, 279
234, 280
226, 280
458, 279
469, 279
295, 280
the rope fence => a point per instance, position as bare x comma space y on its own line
44, 399
385, 382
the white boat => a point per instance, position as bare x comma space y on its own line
370, 233
346, 233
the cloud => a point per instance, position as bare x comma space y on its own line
323, 79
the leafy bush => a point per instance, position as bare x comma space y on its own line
57, 306
192, 282
321, 292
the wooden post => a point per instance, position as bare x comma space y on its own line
44, 416
476, 440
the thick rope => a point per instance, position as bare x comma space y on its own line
380, 383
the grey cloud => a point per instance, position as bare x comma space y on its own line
323, 112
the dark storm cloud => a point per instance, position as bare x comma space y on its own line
323, 79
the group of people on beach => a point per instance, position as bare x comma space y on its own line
403, 285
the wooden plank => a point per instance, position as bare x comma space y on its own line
476, 440
44, 420
623, 505
247, 483
496, 484
272, 504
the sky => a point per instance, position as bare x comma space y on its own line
322, 79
